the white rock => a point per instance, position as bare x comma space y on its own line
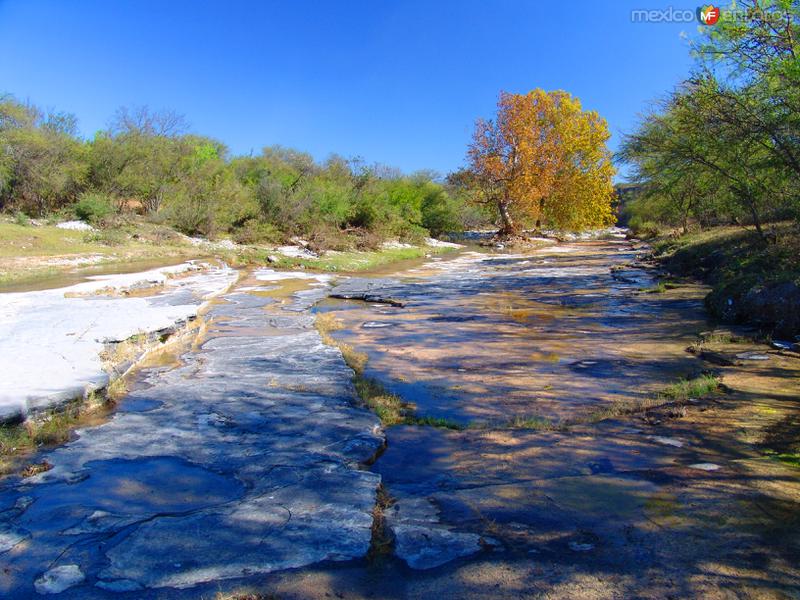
705, 466
396, 245
54, 337
666, 441
578, 547
273, 275
752, 356
58, 579
75, 226
296, 252
434, 243
10, 538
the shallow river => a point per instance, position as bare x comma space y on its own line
246, 458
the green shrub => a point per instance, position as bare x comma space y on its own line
257, 232
93, 207
20, 218
644, 229
191, 216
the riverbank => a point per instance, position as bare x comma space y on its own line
39, 255
753, 283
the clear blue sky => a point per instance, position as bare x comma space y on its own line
392, 81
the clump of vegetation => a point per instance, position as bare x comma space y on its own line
106, 237
696, 387
390, 408
676, 394
326, 322
381, 540
720, 337
440, 422
48, 429
787, 458
752, 282
17, 440
93, 207
659, 288
344, 262
35, 469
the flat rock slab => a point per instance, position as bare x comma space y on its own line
247, 460
66, 329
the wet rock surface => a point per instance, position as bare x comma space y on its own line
523, 351
550, 334
245, 464
245, 461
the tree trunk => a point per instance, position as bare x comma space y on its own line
757, 221
539, 216
509, 227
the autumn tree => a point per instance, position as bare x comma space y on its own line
543, 160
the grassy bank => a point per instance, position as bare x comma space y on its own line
753, 282
31, 254
358, 261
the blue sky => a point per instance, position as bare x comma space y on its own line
396, 82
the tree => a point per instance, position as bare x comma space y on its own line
543, 160
733, 127
43, 165
141, 155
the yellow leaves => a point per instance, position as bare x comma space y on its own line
544, 157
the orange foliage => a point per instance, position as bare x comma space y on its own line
544, 159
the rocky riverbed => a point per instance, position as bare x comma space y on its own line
249, 461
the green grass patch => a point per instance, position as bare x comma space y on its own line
697, 387
45, 240
435, 422
676, 394
787, 458
357, 261
390, 408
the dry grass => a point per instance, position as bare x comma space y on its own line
35, 469
535, 423
47, 429
327, 323
381, 541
